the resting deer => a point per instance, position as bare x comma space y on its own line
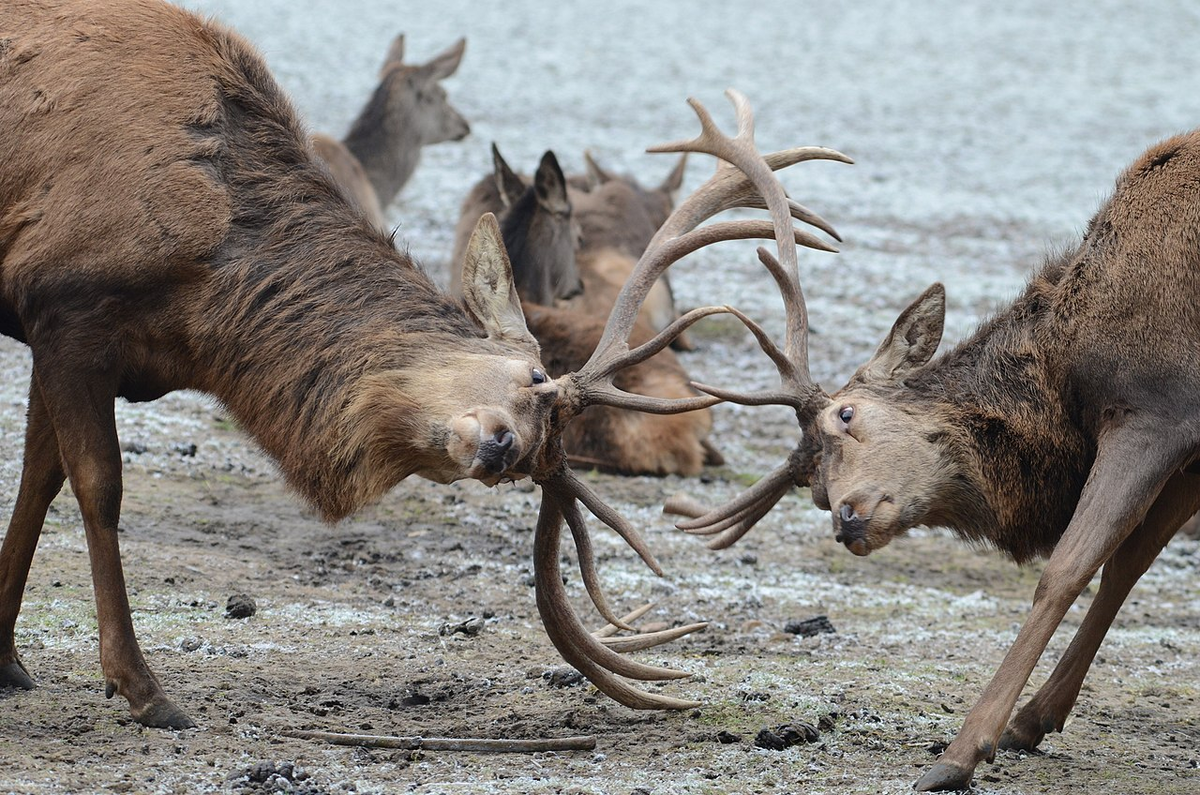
1067, 426
164, 225
408, 110
540, 234
617, 219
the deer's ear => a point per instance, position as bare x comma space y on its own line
551, 185
446, 63
913, 340
395, 54
509, 184
488, 285
596, 176
674, 180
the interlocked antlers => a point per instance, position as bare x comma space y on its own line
734, 519
743, 179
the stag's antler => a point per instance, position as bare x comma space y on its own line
796, 389
744, 179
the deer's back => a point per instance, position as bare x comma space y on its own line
152, 177
1129, 298
105, 165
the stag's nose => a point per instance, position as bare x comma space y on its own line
498, 453
850, 528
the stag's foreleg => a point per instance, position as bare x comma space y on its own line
42, 477
1114, 502
1047, 711
81, 409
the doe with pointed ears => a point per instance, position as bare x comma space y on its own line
408, 110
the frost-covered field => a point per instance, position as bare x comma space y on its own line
985, 134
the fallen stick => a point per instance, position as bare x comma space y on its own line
585, 743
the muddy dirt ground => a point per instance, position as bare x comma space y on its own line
983, 138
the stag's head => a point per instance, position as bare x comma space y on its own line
884, 459
509, 420
877, 454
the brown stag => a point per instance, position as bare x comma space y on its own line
407, 110
164, 224
1067, 426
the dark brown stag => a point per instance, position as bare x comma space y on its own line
406, 111
1067, 426
165, 225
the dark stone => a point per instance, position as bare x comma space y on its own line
809, 627
240, 606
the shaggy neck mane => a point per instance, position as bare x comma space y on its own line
1006, 395
310, 313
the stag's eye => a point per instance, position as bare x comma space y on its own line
846, 414
537, 377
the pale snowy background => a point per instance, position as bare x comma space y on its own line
985, 135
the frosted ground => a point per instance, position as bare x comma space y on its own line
985, 135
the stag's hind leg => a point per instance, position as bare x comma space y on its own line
41, 479
81, 409
1048, 709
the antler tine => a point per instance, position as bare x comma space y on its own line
633, 615
643, 640
587, 564
759, 510
773, 485
750, 178
609, 366
567, 486
648, 640
591, 657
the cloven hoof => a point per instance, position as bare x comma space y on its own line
944, 777
13, 674
163, 714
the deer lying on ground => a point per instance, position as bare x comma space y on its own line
408, 110
1068, 426
617, 219
540, 234
164, 225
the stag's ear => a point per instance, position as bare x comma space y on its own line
395, 55
509, 184
912, 341
596, 176
488, 285
674, 180
551, 185
445, 64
